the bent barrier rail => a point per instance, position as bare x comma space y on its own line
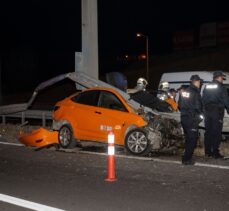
43, 115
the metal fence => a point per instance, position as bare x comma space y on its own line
42, 115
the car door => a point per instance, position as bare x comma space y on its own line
114, 116
85, 115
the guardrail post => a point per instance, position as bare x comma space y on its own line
43, 120
42, 115
22, 117
3, 119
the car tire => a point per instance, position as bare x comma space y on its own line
65, 137
137, 143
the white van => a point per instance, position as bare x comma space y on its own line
176, 79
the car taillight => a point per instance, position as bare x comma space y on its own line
56, 108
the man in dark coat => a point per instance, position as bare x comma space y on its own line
215, 100
190, 106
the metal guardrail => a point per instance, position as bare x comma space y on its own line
43, 115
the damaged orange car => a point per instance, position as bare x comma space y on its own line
90, 114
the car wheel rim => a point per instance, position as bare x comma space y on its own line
137, 142
65, 136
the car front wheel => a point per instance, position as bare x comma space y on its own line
136, 142
65, 137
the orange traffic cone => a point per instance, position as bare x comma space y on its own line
111, 159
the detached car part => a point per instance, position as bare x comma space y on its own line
39, 138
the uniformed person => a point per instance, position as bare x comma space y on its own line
141, 84
172, 99
191, 115
172, 94
164, 86
215, 100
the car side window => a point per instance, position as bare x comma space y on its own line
87, 98
110, 101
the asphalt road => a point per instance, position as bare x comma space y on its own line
75, 181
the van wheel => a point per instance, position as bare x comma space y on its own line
136, 142
65, 137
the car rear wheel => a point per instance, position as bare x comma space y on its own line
136, 142
65, 137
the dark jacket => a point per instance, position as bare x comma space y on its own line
190, 101
215, 94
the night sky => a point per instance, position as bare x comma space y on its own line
49, 32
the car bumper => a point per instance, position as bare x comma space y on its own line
39, 138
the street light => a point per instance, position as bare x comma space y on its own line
147, 53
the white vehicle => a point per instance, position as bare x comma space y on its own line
176, 79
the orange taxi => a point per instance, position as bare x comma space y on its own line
89, 116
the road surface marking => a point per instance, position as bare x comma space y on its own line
26, 204
159, 160
140, 158
212, 165
13, 144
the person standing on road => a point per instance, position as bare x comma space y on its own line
190, 106
215, 100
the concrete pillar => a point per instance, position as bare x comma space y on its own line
89, 39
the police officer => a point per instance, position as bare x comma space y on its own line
191, 114
215, 99
141, 84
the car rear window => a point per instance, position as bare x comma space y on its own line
87, 98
